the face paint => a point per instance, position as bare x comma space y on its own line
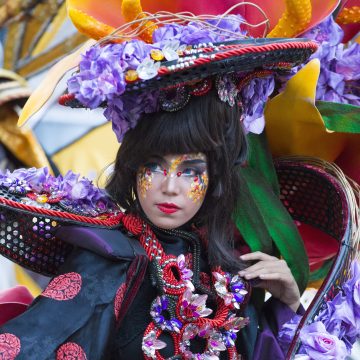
172, 188
145, 177
198, 188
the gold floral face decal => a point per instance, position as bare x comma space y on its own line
144, 180
198, 187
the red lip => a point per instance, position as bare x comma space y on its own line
168, 208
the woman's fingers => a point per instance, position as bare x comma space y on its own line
261, 267
257, 255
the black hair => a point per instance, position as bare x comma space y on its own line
207, 125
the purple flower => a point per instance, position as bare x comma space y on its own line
228, 25
134, 52
193, 35
328, 30
287, 332
150, 344
321, 345
125, 112
101, 74
349, 64
253, 98
340, 67
166, 33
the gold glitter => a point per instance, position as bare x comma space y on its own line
198, 187
175, 163
144, 181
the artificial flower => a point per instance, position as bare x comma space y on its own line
321, 345
150, 344
194, 305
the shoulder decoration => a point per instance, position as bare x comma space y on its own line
67, 197
33, 206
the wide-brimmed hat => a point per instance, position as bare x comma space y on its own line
188, 56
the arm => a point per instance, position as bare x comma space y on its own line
74, 313
273, 275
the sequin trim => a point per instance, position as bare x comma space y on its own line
9, 346
70, 351
64, 287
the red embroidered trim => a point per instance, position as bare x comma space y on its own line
64, 287
119, 297
70, 351
205, 280
9, 346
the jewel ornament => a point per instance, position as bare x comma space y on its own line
230, 288
183, 312
148, 69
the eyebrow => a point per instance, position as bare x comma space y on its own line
194, 162
185, 162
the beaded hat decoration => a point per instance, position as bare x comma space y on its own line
188, 56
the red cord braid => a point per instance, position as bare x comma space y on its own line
112, 221
65, 98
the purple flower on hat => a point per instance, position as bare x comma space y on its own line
100, 76
167, 32
230, 24
321, 345
253, 98
193, 35
125, 112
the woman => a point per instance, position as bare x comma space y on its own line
166, 277
176, 187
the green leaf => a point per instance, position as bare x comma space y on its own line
340, 117
262, 219
261, 159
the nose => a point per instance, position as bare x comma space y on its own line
170, 185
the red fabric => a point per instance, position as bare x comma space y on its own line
14, 302
319, 245
64, 287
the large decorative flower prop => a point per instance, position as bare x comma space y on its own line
336, 328
330, 94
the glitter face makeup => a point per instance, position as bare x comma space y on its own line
144, 181
172, 188
198, 187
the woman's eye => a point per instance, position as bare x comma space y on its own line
153, 167
191, 172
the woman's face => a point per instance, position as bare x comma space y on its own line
172, 188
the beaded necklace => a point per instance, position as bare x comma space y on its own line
179, 309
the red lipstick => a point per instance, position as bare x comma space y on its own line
167, 208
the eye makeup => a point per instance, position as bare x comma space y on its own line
145, 178
198, 187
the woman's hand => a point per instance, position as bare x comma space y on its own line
275, 277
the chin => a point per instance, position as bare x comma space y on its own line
167, 223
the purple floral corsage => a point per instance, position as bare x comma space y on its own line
159, 310
231, 288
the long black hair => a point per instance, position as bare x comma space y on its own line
205, 125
